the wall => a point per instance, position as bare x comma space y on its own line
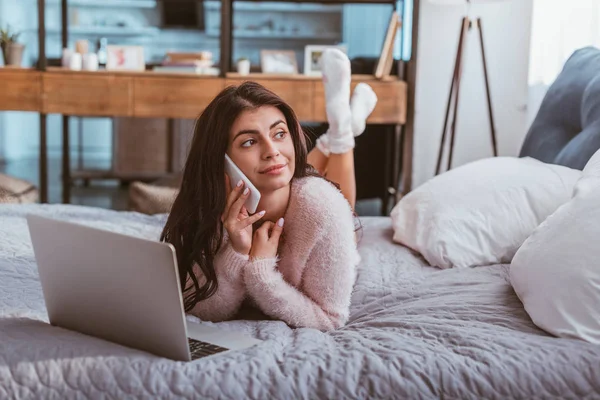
507, 28
365, 40
19, 123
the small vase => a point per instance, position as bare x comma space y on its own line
15, 54
243, 67
4, 47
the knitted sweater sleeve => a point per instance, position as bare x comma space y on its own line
323, 301
230, 294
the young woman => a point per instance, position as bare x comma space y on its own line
295, 258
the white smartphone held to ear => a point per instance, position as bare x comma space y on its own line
235, 175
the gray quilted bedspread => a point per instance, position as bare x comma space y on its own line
414, 332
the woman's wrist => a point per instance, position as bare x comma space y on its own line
242, 252
261, 269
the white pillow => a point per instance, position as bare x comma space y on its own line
556, 273
481, 212
590, 175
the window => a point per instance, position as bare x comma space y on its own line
558, 29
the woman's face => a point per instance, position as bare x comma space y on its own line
261, 145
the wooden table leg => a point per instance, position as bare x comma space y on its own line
389, 173
43, 159
398, 148
170, 144
406, 169
66, 162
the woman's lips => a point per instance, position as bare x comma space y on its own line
274, 170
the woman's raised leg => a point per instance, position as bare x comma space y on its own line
318, 160
340, 169
333, 155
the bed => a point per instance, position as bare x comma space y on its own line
414, 332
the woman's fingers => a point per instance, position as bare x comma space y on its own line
252, 219
277, 229
237, 205
263, 231
231, 198
234, 194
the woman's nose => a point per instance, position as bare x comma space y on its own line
271, 150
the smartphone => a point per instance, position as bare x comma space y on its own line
235, 175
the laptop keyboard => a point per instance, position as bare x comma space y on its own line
199, 349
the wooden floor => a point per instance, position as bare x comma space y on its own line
107, 193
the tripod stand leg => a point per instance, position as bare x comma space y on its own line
487, 89
465, 28
450, 95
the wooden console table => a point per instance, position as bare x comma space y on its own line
150, 94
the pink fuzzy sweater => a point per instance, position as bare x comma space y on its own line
310, 283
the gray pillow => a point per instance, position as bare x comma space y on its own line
566, 129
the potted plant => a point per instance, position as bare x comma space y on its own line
243, 66
12, 51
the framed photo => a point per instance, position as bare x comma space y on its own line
278, 62
312, 58
125, 58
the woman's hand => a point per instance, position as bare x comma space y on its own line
266, 240
236, 220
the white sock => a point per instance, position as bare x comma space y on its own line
362, 105
323, 144
335, 66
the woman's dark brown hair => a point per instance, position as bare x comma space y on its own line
194, 226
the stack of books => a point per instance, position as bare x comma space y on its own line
188, 63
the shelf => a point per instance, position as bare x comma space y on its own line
275, 7
277, 35
229, 75
392, 2
108, 31
107, 3
265, 76
302, 77
135, 74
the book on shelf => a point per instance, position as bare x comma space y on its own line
186, 69
384, 65
188, 63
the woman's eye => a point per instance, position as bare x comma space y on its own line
248, 143
280, 135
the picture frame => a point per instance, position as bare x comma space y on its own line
278, 62
312, 57
125, 58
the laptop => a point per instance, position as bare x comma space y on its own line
122, 289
